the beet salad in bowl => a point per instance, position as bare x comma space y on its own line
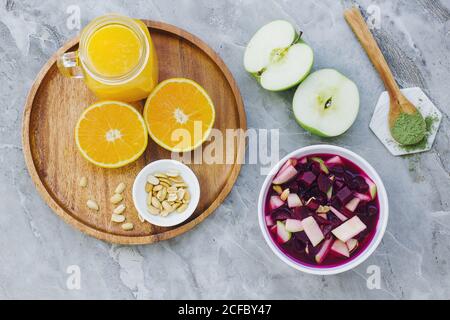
323, 209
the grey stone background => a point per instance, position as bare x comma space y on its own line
226, 256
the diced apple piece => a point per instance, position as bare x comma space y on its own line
277, 189
269, 220
340, 216
323, 215
363, 197
334, 161
275, 202
323, 167
312, 230
372, 187
294, 225
285, 175
330, 193
352, 244
283, 235
323, 252
292, 162
323, 209
352, 204
294, 200
349, 229
340, 248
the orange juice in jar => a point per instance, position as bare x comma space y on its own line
116, 58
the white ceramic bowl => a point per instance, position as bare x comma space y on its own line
140, 196
380, 228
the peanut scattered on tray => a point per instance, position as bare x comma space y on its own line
117, 215
166, 193
116, 199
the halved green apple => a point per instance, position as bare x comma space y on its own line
277, 57
326, 103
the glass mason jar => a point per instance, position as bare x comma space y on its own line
116, 59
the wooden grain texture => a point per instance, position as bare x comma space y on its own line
398, 102
356, 21
53, 107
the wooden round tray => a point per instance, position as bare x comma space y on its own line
53, 107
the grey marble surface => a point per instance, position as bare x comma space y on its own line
226, 256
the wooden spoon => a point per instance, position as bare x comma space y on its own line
398, 102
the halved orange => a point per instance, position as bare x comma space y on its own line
179, 114
111, 134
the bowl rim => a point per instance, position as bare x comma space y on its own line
382, 198
194, 189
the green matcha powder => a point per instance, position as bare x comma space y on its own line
409, 129
429, 122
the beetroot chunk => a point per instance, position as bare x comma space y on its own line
298, 246
362, 207
313, 204
301, 236
360, 184
322, 221
323, 182
302, 167
307, 178
344, 195
293, 187
338, 184
372, 210
336, 203
327, 229
301, 213
281, 214
338, 170
315, 168
321, 197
